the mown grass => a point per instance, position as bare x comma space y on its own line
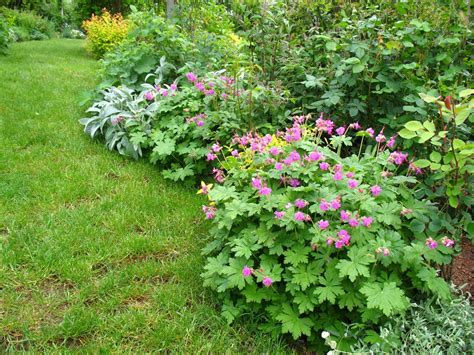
97, 252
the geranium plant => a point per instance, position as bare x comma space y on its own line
310, 239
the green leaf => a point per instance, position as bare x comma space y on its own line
234, 273
453, 201
407, 134
296, 255
413, 126
305, 275
434, 283
466, 92
222, 193
145, 64
424, 136
350, 300
417, 226
352, 60
306, 303
358, 68
421, 163
429, 126
292, 323
428, 98
357, 265
331, 46
330, 290
163, 149
435, 157
458, 143
462, 115
229, 311
385, 296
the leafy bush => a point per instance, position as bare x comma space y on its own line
4, 37
105, 32
365, 63
430, 327
445, 143
153, 37
27, 25
298, 228
175, 124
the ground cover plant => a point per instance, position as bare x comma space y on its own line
152, 37
431, 326
301, 233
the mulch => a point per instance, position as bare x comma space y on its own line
462, 269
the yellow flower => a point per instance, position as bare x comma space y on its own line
204, 188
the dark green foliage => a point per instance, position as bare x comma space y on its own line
4, 36
363, 62
85, 8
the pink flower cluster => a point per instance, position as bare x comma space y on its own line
302, 217
433, 244
171, 90
343, 239
263, 189
397, 157
246, 272
216, 147
209, 211
333, 204
254, 141
218, 175
323, 125
353, 221
198, 119
383, 250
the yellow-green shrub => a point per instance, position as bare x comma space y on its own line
104, 32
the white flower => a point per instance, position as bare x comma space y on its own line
325, 335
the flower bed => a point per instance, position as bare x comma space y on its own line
311, 239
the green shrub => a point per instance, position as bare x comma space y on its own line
447, 150
105, 32
153, 37
27, 25
310, 240
365, 63
4, 36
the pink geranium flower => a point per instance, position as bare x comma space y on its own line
352, 183
375, 190
267, 281
323, 224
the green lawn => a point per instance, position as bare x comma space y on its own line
96, 251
